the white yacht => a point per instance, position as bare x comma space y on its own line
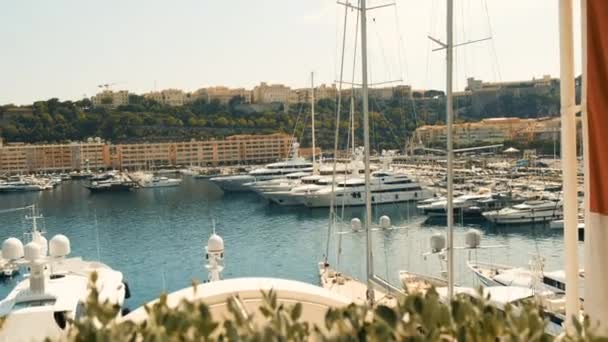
386, 187
538, 211
296, 195
248, 293
503, 275
468, 205
24, 184
270, 171
278, 184
161, 182
56, 289
515, 296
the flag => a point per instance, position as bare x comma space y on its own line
595, 66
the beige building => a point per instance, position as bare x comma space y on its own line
494, 130
269, 93
322, 92
169, 97
546, 81
111, 98
26, 158
222, 94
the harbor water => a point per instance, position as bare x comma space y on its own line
156, 237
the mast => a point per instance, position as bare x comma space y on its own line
450, 152
352, 121
368, 195
312, 114
568, 158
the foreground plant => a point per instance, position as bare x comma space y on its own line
416, 318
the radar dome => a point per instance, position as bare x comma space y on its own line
472, 238
12, 249
59, 246
385, 222
42, 241
33, 252
437, 242
355, 224
215, 244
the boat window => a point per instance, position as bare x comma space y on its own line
554, 283
380, 174
350, 185
407, 181
34, 303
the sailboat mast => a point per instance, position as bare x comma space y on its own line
450, 147
368, 195
312, 114
352, 121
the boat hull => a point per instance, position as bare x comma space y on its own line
347, 199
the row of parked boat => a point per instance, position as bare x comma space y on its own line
114, 181
29, 183
298, 182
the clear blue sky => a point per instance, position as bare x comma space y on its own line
65, 48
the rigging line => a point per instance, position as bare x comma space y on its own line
339, 247
491, 34
428, 45
462, 51
295, 126
336, 137
400, 46
16, 209
381, 48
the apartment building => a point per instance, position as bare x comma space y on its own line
112, 99
494, 130
25, 158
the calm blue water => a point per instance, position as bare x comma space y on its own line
156, 237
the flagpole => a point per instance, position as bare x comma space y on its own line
568, 159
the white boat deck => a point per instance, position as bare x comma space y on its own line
353, 289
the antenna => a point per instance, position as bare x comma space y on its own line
214, 255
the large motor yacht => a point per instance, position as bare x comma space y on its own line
270, 171
55, 291
386, 187
538, 211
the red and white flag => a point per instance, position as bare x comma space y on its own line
595, 26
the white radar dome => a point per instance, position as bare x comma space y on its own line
355, 224
33, 252
43, 242
215, 244
12, 249
385, 222
437, 242
59, 246
472, 238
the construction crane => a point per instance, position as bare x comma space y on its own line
106, 86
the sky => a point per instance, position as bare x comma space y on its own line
66, 48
